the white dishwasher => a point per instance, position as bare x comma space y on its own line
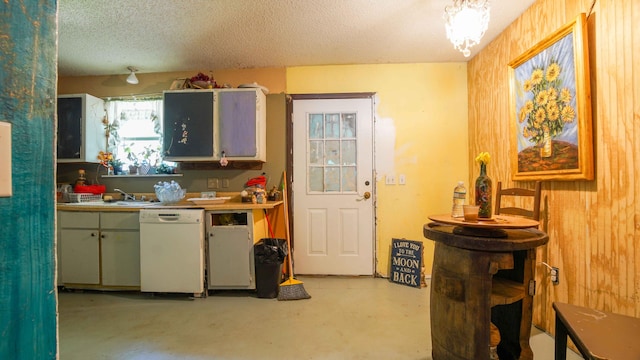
172, 250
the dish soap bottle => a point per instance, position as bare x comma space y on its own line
459, 197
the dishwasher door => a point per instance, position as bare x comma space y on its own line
172, 250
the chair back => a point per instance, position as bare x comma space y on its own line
532, 213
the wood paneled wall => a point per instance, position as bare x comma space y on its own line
593, 226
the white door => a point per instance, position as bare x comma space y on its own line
333, 185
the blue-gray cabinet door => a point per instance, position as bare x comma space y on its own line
237, 127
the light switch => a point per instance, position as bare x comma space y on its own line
5, 159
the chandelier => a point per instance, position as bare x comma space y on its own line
466, 21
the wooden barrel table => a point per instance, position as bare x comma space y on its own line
476, 268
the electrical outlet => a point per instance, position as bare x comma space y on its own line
390, 179
532, 287
213, 183
555, 275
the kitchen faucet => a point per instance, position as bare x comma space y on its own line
126, 195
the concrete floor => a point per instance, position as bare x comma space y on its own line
346, 318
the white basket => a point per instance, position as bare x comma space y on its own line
84, 197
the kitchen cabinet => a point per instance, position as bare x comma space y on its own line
205, 125
242, 124
120, 248
80, 131
188, 125
99, 249
79, 243
230, 259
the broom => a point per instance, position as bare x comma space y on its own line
290, 289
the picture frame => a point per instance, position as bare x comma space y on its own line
550, 99
178, 84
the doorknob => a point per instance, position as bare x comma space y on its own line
366, 196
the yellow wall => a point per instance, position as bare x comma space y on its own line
426, 106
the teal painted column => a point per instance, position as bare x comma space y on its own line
28, 75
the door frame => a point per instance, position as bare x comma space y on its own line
289, 158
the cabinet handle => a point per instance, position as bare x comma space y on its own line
93, 234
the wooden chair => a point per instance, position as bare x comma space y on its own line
514, 320
532, 213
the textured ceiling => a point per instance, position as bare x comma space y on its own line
98, 37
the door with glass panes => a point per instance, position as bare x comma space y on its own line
333, 186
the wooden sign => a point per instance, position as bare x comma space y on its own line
406, 262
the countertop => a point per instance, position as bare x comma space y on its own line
234, 203
230, 205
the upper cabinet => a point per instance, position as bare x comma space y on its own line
205, 125
242, 124
188, 125
80, 131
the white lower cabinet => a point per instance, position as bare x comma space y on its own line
120, 248
79, 243
120, 251
230, 262
80, 256
99, 249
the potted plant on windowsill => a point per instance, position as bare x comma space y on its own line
150, 159
134, 162
133, 167
165, 169
116, 165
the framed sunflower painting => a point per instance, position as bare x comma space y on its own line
551, 108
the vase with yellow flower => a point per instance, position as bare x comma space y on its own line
483, 189
105, 159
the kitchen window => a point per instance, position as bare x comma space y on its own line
135, 135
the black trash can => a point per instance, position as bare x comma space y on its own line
269, 254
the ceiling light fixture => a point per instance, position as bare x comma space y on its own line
132, 79
466, 22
